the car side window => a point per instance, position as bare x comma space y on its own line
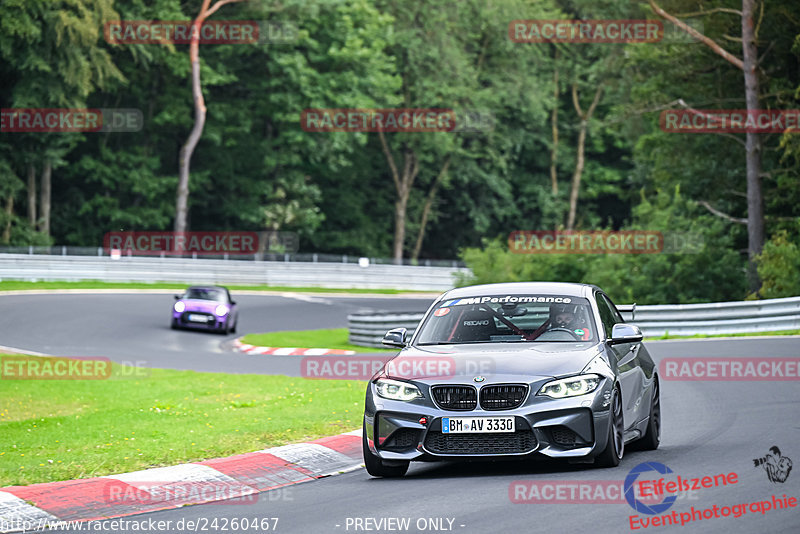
606, 313
617, 316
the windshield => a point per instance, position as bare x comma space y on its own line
509, 319
206, 293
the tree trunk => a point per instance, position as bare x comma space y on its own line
400, 206
185, 155
579, 164
426, 209
554, 122
44, 198
576, 177
748, 65
32, 195
9, 215
403, 184
755, 202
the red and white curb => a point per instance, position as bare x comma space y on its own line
241, 478
287, 351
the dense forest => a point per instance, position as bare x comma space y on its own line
568, 137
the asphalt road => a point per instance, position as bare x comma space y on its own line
709, 428
134, 328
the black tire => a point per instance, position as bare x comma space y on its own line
174, 324
233, 328
615, 446
375, 466
652, 436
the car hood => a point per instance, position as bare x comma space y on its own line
497, 362
200, 305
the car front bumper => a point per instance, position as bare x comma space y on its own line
575, 428
213, 322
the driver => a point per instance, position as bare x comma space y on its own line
567, 316
563, 316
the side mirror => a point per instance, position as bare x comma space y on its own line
177, 297
233, 303
395, 338
625, 333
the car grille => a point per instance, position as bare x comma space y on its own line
564, 436
403, 438
521, 441
503, 397
455, 397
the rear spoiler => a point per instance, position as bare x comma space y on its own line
628, 308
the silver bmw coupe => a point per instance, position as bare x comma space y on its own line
513, 370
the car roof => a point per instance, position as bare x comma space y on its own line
216, 288
523, 288
207, 287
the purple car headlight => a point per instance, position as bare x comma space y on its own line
221, 310
179, 306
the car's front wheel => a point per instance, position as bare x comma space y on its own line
615, 445
375, 466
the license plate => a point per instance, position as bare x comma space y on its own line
478, 425
198, 318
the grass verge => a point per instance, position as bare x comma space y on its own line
138, 418
740, 334
326, 338
337, 338
20, 285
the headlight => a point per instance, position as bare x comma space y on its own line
220, 310
570, 387
396, 390
180, 306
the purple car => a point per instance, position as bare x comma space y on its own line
205, 308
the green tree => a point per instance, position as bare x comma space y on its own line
54, 58
688, 275
779, 267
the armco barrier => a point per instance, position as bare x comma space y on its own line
367, 329
681, 319
233, 272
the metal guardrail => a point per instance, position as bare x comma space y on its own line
718, 317
305, 257
367, 329
37, 267
657, 320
